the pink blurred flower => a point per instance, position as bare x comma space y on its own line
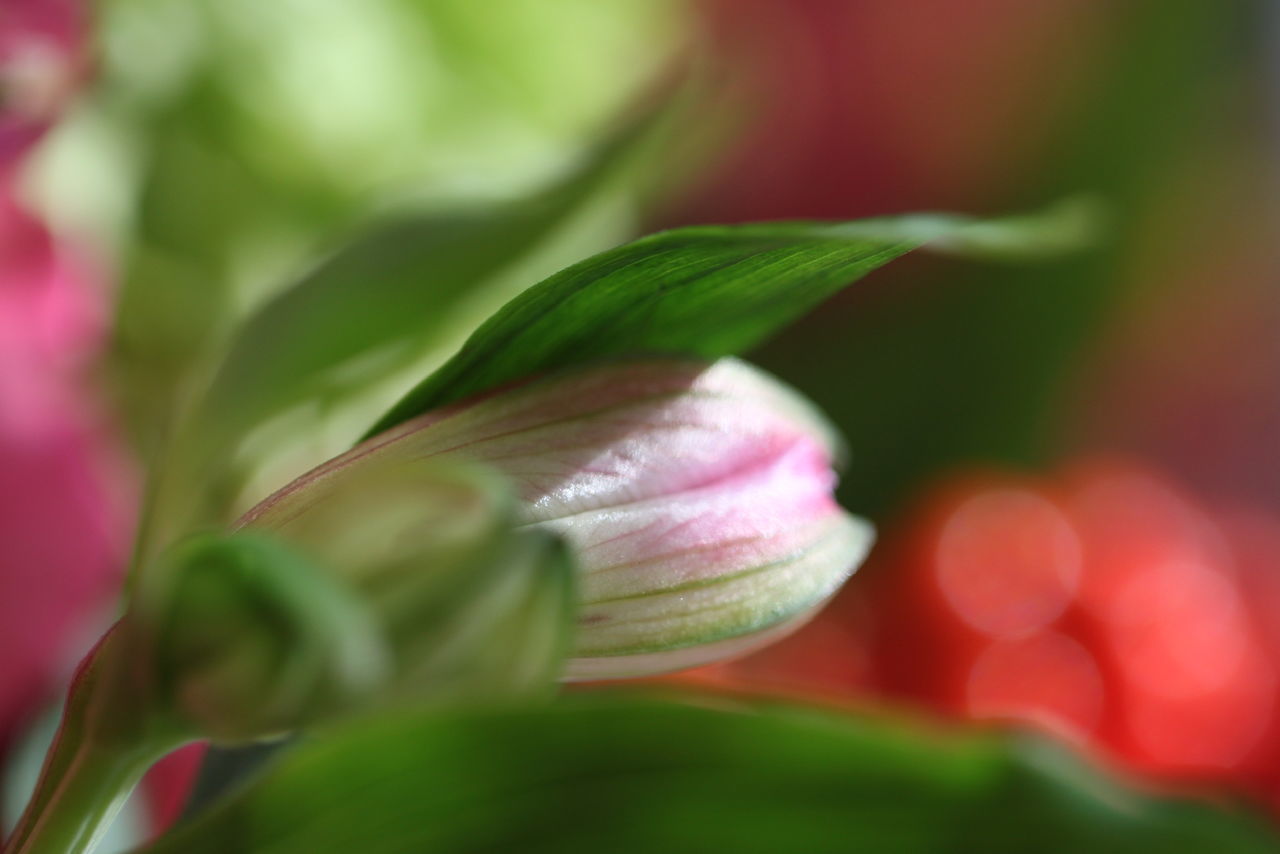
62, 518
41, 61
50, 324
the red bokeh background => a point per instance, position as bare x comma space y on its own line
1101, 603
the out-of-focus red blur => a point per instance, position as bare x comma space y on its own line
1102, 603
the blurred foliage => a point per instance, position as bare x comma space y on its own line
364, 179
621, 775
252, 135
397, 290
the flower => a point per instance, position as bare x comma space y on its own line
401, 581
252, 641
63, 516
696, 497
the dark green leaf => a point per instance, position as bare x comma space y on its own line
706, 291
597, 774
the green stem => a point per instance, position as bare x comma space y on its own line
104, 745
74, 810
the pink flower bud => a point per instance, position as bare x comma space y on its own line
697, 497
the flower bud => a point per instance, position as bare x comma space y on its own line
250, 639
697, 499
391, 527
373, 583
466, 605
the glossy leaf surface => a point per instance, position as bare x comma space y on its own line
705, 291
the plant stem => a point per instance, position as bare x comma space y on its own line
104, 745
70, 813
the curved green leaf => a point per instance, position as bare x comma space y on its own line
707, 291
392, 292
598, 774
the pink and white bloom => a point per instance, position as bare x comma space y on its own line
697, 497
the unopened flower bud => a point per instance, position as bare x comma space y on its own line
366, 585
466, 605
394, 529
251, 639
697, 499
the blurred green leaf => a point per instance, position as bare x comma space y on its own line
254, 135
1072, 224
602, 774
343, 341
391, 294
707, 291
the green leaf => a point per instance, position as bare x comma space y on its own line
243, 136
602, 774
399, 296
392, 293
706, 291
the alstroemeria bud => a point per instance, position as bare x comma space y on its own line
466, 605
251, 639
389, 527
367, 583
697, 497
